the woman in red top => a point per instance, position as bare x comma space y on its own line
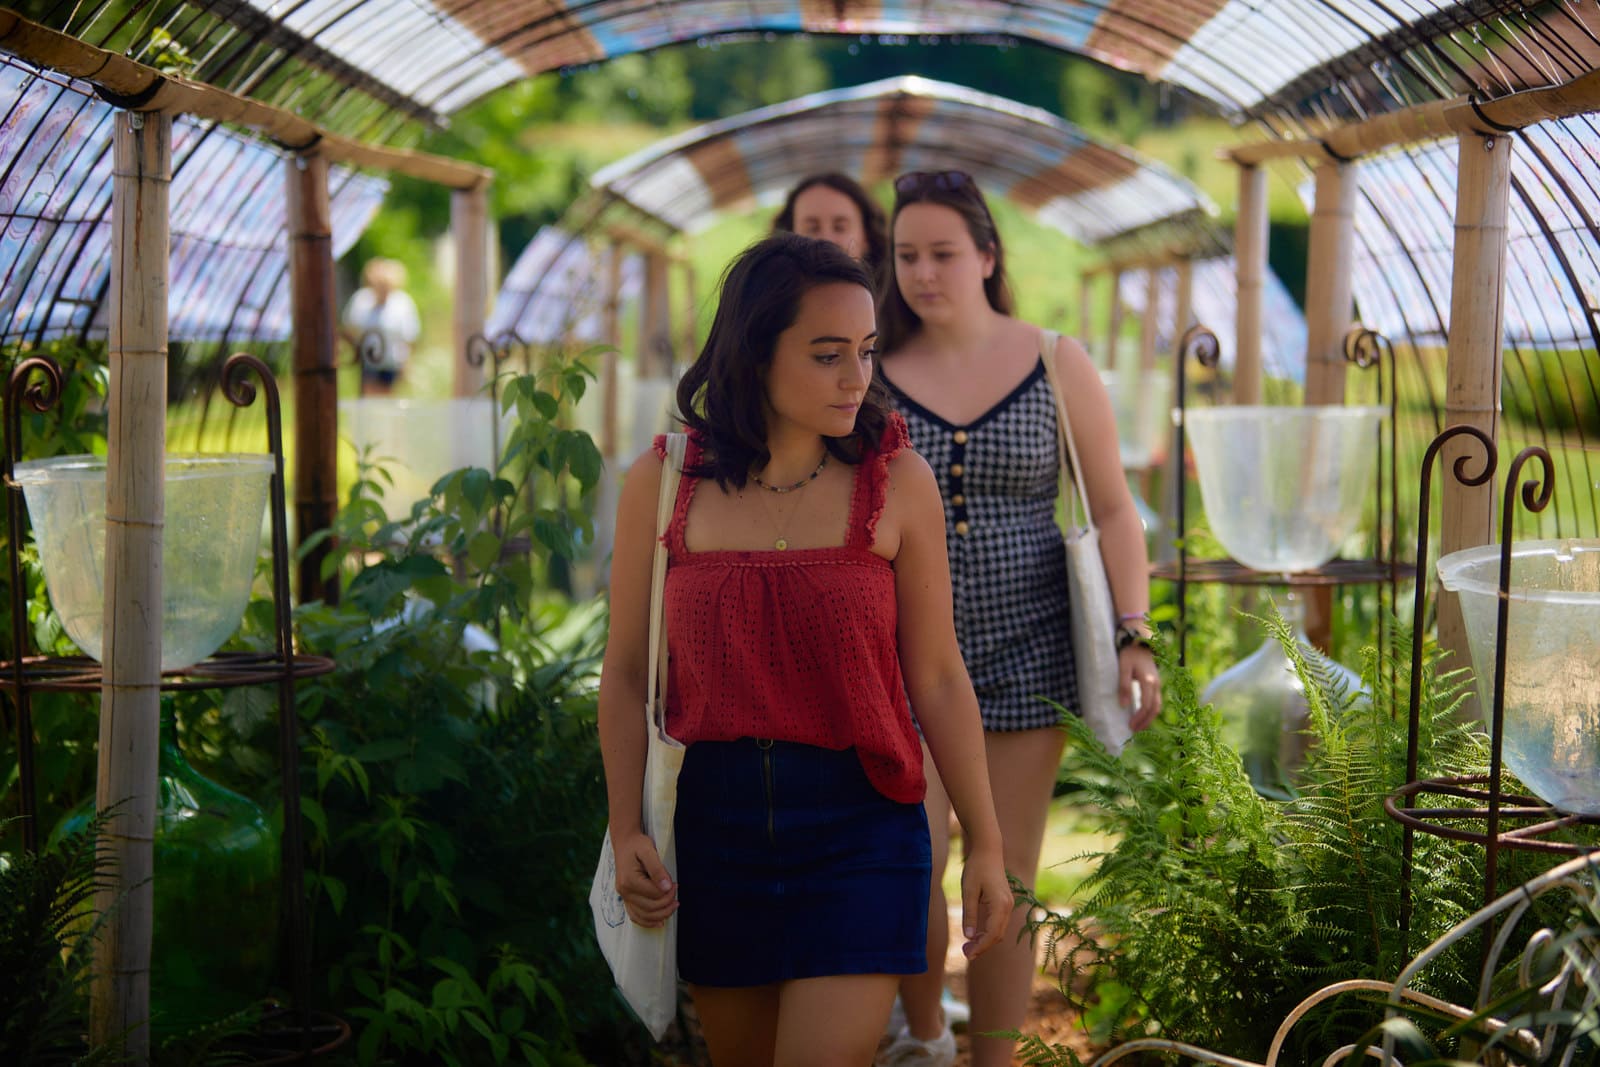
808, 595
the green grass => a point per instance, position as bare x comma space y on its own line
1190, 149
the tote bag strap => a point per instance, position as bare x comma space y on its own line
666, 502
1066, 447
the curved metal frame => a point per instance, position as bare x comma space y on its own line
1535, 495
23, 674
1502, 916
481, 352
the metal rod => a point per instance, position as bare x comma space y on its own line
40, 397
1419, 608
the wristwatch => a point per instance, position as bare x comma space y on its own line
1128, 635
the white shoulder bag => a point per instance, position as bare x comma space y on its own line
1094, 652
644, 960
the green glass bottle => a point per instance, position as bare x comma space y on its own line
216, 893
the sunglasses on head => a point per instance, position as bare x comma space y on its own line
920, 182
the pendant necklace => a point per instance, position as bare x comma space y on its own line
801, 484
781, 542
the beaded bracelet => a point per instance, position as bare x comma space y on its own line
1128, 637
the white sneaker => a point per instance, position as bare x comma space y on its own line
907, 1051
956, 1012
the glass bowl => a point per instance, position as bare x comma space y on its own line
1552, 694
1283, 487
210, 540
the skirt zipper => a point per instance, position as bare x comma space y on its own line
765, 745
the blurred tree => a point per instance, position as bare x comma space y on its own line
1110, 103
730, 77
654, 88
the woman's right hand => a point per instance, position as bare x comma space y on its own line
648, 891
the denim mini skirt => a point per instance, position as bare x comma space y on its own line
792, 865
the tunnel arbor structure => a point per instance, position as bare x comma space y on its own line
1447, 150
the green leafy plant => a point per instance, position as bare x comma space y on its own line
1217, 911
44, 952
453, 795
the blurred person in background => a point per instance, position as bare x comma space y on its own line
837, 209
381, 322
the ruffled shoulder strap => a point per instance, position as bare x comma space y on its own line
673, 538
872, 482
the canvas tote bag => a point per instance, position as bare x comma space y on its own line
1089, 604
644, 961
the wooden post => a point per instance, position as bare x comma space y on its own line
1474, 359
1250, 261
691, 347
1328, 297
315, 360
1133, 388
1328, 316
1183, 313
1114, 321
1086, 310
655, 318
611, 336
130, 696
469, 229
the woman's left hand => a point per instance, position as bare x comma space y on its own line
1136, 664
986, 901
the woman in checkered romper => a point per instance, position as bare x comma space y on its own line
1008, 565
969, 380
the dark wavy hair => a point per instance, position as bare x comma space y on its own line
896, 321
721, 396
873, 223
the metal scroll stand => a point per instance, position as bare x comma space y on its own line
1365, 349
284, 1035
481, 351
1488, 809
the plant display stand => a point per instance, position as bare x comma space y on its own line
284, 1035
1366, 349
1475, 808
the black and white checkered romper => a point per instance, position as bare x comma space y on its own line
1008, 566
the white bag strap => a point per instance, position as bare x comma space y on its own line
1066, 447
666, 502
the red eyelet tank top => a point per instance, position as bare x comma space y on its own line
799, 645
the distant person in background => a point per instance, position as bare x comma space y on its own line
381, 317
837, 209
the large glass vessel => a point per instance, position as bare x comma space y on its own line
1265, 714
1551, 733
216, 893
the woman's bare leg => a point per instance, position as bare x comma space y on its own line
920, 993
740, 1025
830, 1022
1022, 775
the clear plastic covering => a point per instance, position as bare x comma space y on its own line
556, 290
1089, 190
1405, 233
229, 262
1236, 52
1214, 300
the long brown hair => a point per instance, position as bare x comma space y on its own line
721, 396
956, 190
872, 220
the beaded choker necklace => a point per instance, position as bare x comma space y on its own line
801, 484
